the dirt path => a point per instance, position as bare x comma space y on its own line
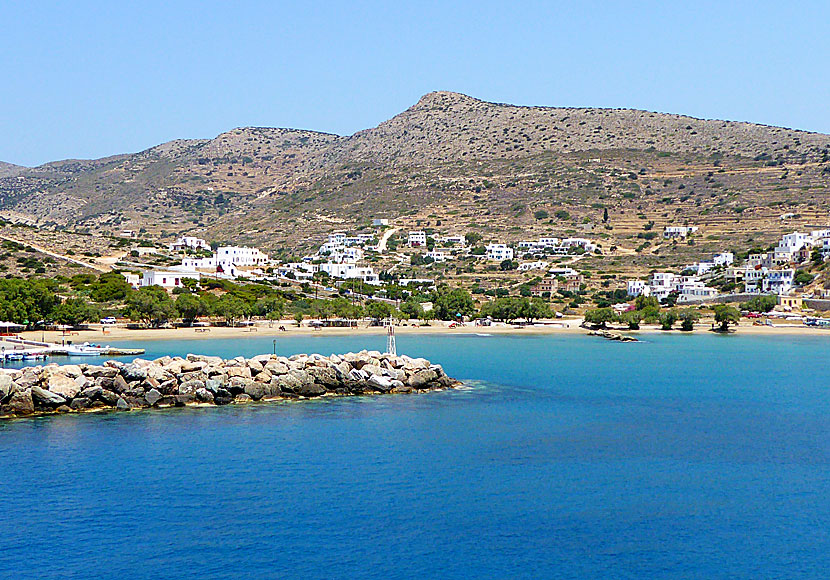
385, 238
42, 250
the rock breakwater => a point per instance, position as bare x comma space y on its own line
199, 379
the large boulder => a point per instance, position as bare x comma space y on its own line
28, 379
242, 372
72, 371
380, 383
288, 383
302, 376
133, 372
190, 387
79, 403
276, 367
7, 386
96, 372
119, 385
44, 397
204, 396
325, 376
222, 397
152, 397
272, 389
92, 392
213, 385
422, 378
109, 397
62, 385
263, 377
255, 390
193, 376
21, 403
310, 390
191, 366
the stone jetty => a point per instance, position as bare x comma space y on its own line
210, 380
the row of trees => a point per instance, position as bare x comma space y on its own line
725, 316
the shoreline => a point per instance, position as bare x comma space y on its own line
567, 326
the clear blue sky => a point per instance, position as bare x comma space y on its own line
89, 79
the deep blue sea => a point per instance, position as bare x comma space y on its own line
569, 457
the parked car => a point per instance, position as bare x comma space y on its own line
108, 320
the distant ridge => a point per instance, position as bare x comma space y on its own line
446, 150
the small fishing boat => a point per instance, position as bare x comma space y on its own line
84, 349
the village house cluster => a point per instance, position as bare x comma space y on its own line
774, 272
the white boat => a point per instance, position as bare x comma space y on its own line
85, 349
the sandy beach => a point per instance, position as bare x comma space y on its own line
106, 334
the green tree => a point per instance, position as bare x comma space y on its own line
450, 302
507, 265
642, 302
110, 286
632, 318
271, 307
760, 303
541, 214
472, 238
667, 319
412, 309
322, 309
151, 305
803, 278
230, 308
76, 311
534, 309
378, 310
600, 317
726, 315
189, 307
688, 317
298, 318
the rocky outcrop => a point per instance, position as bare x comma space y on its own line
206, 380
610, 335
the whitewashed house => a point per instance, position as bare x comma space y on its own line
498, 252
349, 271
767, 281
438, 256
417, 239
133, 280
638, 288
167, 278
694, 291
678, 231
189, 243
528, 266
455, 241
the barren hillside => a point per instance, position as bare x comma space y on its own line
458, 162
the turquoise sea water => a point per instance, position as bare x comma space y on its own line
569, 457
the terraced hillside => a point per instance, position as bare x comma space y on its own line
456, 163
